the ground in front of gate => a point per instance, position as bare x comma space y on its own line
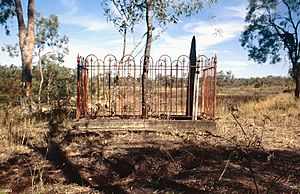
254, 149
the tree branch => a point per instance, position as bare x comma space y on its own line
295, 26
21, 23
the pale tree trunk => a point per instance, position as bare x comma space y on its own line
124, 42
41, 58
41, 82
146, 61
48, 88
26, 42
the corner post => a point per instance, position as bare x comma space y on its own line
78, 104
215, 86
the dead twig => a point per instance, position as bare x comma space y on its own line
240, 126
225, 168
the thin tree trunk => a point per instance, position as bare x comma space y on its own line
41, 82
48, 88
297, 82
146, 61
124, 42
296, 77
297, 89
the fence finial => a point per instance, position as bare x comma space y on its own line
215, 59
78, 59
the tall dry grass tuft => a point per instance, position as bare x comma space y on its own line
19, 129
275, 121
274, 106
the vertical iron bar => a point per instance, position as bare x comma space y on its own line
104, 86
182, 86
176, 80
166, 83
91, 67
86, 88
171, 98
215, 85
134, 89
98, 82
127, 90
109, 86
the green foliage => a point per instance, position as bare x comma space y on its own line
13, 50
228, 79
131, 12
7, 12
272, 26
50, 48
47, 36
225, 79
10, 85
166, 11
59, 84
124, 14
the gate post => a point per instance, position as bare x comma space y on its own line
78, 103
215, 86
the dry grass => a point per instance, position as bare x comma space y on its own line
18, 129
274, 121
271, 122
279, 105
18, 133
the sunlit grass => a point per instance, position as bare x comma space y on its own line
275, 119
278, 105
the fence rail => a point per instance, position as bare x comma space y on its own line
111, 87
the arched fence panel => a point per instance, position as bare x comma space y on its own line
108, 87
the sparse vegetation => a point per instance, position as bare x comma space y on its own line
251, 147
256, 140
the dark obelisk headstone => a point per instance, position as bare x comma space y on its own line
191, 79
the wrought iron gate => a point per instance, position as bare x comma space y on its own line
111, 87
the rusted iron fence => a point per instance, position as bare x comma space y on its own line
112, 87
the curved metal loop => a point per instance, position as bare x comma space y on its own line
165, 60
200, 56
176, 65
109, 56
126, 58
161, 61
183, 56
184, 59
99, 60
91, 55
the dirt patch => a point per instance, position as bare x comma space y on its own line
147, 162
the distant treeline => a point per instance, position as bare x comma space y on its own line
228, 79
59, 83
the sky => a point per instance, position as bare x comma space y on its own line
217, 30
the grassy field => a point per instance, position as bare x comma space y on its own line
254, 149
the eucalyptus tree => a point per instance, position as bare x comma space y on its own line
273, 27
50, 48
10, 9
163, 12
124, 15
128, 13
